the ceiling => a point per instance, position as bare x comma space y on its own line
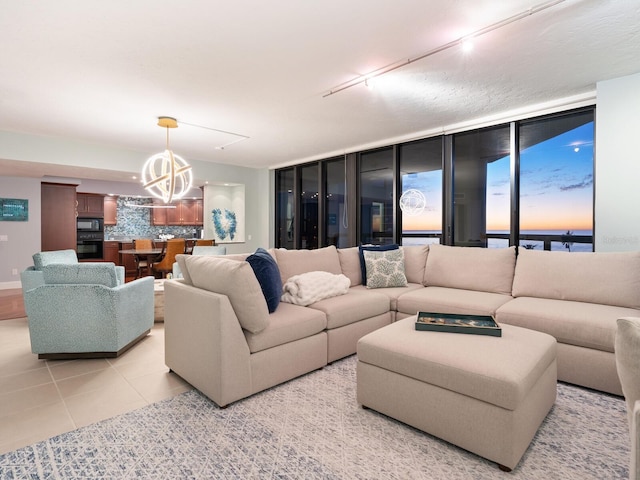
102, 72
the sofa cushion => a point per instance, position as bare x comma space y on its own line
350, 264
42, 259
81, 273
352, 307
376, 248
575, 323
287, 324
604, 277
295, 262
385, 268
236, 280
392, 293
471, 268
266, 271
451, 300
415, 261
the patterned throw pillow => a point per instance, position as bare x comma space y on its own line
385, 268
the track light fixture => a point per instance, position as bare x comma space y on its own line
366, 79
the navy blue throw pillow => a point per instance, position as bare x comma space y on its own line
268, 275
379, 248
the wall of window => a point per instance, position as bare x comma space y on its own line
527, 183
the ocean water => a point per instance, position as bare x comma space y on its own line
503, 243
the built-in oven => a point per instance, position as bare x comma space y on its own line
90, 242
90, 249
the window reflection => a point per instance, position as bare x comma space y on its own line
481, 187
376, 197
421, 170
336, 222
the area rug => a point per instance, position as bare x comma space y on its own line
312, 428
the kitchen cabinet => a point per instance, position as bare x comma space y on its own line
186, 212
110, 252
58, 217
110, 210
90, 205
159, 213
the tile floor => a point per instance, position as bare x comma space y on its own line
43, 398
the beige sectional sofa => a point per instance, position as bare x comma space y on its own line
220, 337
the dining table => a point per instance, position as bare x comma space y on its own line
150, 254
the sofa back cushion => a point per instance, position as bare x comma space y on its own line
350, 264
81, 273
415, 261
42, 259
595, 277
236, 280
296, 262
471, 268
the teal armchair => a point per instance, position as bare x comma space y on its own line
84, 310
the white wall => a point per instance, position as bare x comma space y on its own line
617, 172
23, 238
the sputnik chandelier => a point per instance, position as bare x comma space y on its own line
166, 175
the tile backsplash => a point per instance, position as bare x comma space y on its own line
134, 221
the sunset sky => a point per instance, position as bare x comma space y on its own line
556, 187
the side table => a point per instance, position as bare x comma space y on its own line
158, 300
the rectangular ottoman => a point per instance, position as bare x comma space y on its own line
485, 394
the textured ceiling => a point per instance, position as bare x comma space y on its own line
101, 72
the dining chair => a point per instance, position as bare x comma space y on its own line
142, 261
205, 242
174, 246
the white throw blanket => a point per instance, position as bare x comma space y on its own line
310, 287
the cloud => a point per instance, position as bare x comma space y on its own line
585, 183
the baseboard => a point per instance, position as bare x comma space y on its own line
10, 285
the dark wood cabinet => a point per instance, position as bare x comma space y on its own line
158, 214
126, 260
110, 210
110, 252
186, 212
90, 205
58, 217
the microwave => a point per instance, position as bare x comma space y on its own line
90, 224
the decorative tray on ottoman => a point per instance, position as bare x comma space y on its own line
456, 323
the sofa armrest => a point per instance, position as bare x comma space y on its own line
204, 342
634, 471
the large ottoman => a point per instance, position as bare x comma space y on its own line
485, 394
